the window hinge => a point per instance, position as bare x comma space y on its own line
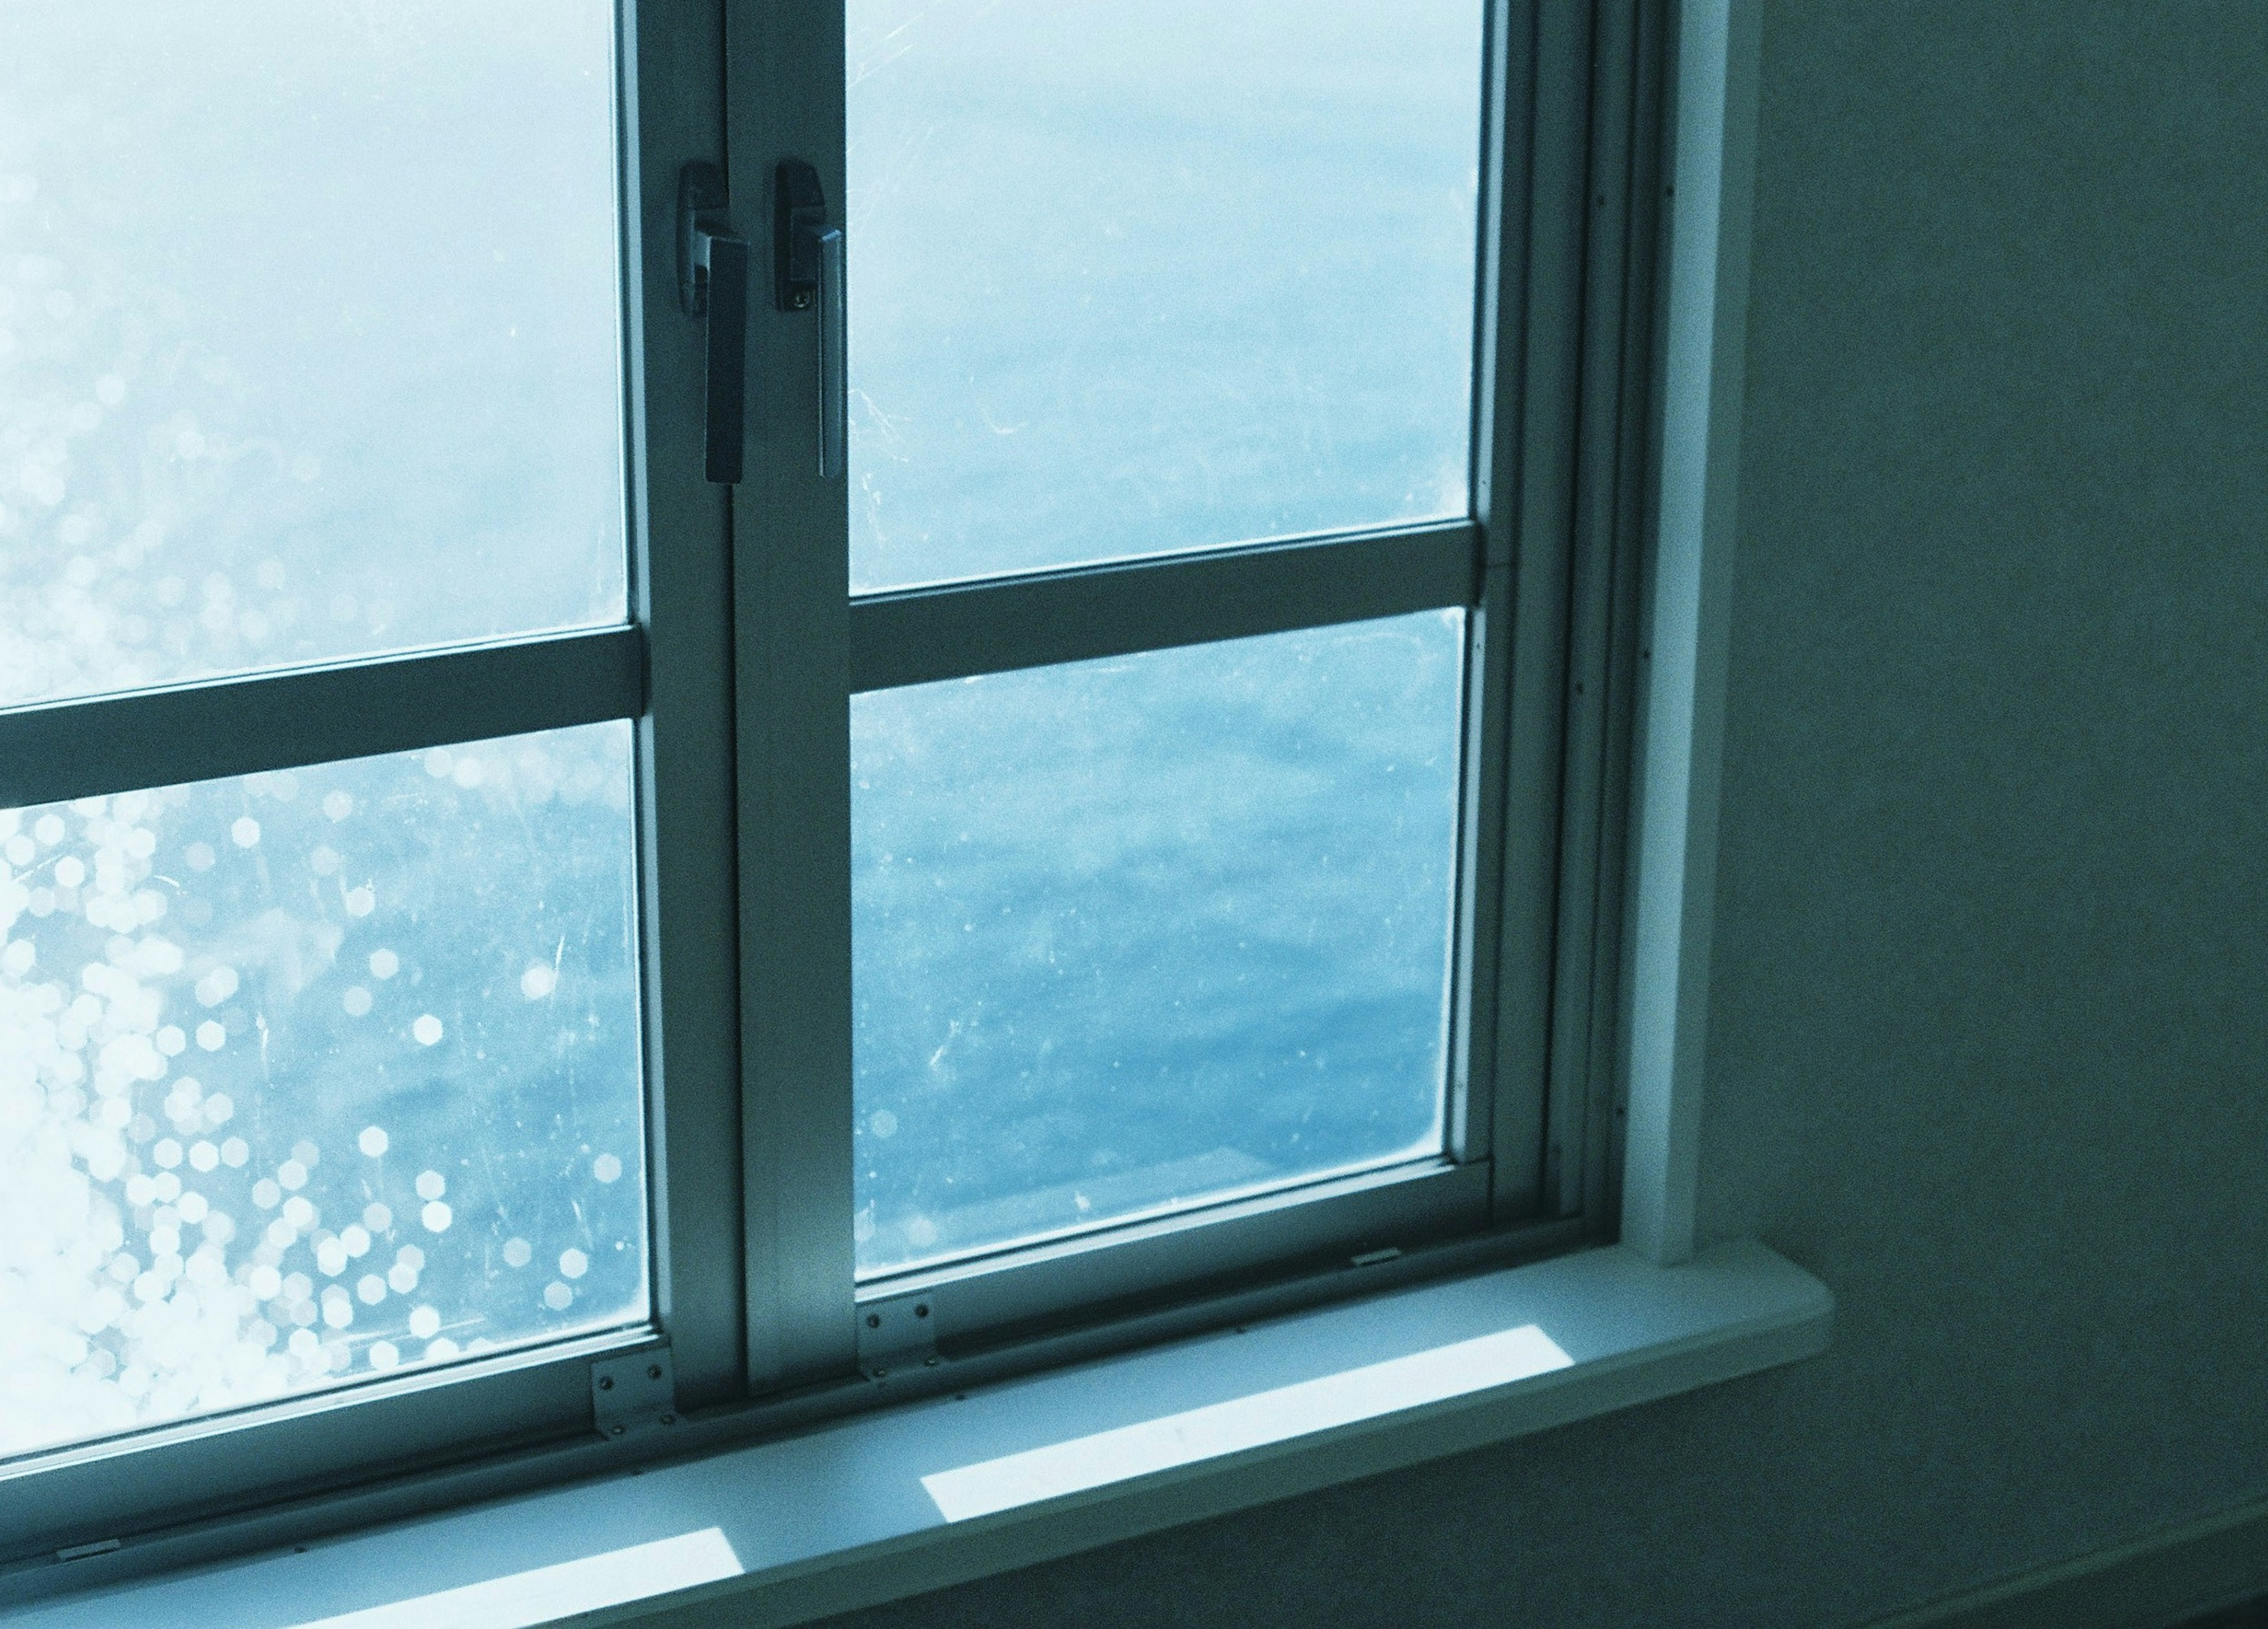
634, 1392
896, 1334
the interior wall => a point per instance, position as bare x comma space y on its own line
1990, 984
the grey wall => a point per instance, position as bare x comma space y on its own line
1988, 1004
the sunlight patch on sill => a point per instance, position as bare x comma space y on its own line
1264, 1419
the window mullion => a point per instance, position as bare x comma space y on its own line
790, 551
673, 112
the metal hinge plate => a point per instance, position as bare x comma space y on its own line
896, 1334
632, 1393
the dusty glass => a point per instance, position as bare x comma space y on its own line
309, 333
1132, 277
1133, 935
306, 1077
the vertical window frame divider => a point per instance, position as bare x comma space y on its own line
670, 100
785, 98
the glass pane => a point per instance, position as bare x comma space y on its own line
308, 333
1137, 933
1154, 275
304, 1077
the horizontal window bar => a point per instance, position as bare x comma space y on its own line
921, 635
1006, 1297
204, 1469
165, 737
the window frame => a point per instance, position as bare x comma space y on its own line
751, 650
666, 669
1500, 1172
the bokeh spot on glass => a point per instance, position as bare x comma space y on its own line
309, 338
281, 1104
1145, 276
1136, 934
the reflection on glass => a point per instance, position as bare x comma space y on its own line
1153, 275
1137, 933
306, 1077
308, 333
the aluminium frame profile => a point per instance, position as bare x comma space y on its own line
1527, 445
782, 74
1615, 452
1125, 607
169, 735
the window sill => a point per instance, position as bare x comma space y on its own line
934, 1493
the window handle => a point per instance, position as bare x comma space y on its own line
834, 382
807, 272
712, 279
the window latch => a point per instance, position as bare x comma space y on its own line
807, 273
712, 281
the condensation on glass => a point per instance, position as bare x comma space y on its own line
1147, 276
309, 333
1136, 934
313, 1076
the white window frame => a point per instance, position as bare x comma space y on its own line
1519, 1169
342, 1462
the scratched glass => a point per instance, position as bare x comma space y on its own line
311, 1077
1133, 277
309, 344
1133, 935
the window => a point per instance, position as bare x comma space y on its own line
1039, 769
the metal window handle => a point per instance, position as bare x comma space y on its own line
833, 381
712, 279
807, 272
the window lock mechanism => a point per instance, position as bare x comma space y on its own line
807, 273
712, 281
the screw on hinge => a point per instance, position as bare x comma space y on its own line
895, 1334
632, 1393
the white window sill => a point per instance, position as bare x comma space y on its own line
933, 1492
